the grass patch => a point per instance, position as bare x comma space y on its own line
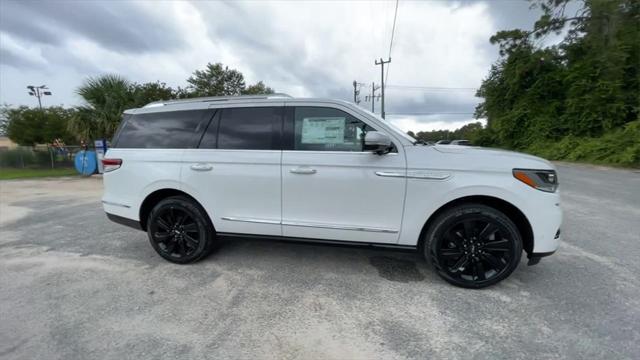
620, 147
7, 174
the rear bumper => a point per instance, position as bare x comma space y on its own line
125, 221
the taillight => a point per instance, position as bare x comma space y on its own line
111, 164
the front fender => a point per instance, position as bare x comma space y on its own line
425, 197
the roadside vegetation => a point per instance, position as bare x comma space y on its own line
106, 97
8, 173
578, 100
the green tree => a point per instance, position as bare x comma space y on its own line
106, 98
4, 121
31, 126
469, 131
218, 80
150, 92
258, 88
585, 86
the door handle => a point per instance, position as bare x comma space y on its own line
303, 171
201, 167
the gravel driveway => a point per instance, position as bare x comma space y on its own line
75, 286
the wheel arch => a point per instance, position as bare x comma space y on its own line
510, 210
158, 195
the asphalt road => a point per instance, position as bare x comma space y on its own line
75, 286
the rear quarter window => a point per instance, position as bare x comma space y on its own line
116, 136
163, 130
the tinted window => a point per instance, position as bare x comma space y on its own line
116, 135
163, 130
256, 128
327, 129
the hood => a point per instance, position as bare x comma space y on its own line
474, 158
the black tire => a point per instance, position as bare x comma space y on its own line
180, 230
473, 246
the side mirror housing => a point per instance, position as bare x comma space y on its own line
377, 142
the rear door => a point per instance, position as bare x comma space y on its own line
332, 187
150, 144
235, 172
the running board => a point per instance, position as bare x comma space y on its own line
317, 241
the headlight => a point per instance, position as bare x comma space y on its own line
545, 180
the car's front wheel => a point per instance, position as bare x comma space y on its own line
179, 230
473, 246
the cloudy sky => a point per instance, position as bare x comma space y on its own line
440, 51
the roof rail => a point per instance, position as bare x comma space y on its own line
217, 98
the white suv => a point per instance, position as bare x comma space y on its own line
191, 171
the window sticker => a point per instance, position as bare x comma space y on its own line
323, 130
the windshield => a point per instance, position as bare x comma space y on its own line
391, 125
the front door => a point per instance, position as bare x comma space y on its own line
331, 186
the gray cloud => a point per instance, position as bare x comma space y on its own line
118, 26
434, 102
308, 49
17, 19
15, 60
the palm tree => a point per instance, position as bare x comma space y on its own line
106, 97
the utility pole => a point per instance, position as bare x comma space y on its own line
372, 97
382, 62
39, 91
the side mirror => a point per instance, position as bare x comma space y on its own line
377, 142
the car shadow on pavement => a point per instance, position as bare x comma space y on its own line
397, 265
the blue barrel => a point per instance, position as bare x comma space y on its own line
86, 162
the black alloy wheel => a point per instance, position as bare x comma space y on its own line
179, 230
474, 246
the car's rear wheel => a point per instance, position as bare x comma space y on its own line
473, 246
179, 230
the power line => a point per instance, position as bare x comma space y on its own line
437, 88
393, 32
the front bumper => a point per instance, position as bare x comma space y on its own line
535, 257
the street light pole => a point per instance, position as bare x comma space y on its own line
39, 92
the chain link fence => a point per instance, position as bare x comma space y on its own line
39, 157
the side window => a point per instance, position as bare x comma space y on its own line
116, 135
163, 130
327, 129
251, 128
